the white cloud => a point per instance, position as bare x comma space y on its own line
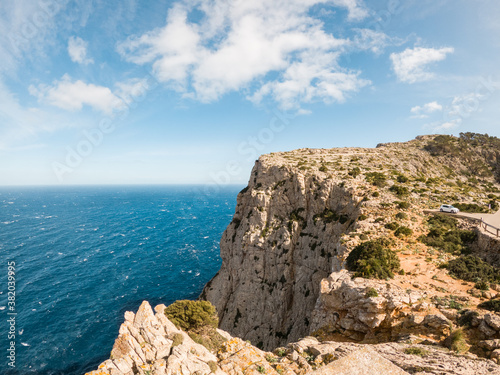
263, 47
410, 64
357, 10
77, 50
73, 95
426, 109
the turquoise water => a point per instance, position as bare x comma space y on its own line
85, 255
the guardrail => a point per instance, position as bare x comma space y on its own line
485, 226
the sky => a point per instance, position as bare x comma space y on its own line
192, 92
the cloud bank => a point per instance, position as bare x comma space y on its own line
267, 49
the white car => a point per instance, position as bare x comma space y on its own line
448, 208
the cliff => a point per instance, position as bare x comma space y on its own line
304, 211
290, 280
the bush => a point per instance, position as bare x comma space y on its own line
373, 259
471, 207
403, 205
392, 226
323, 168
213, 366
192, 315
472, 268
403, 232
457, 341
375, 194
399, 190
491, 305
416, 351
482, 285
401, 216
177, 339
376, 178
354, 172
445, 235
371, 292
362, 217
402, 179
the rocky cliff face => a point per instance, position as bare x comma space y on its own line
285, 238
304, 211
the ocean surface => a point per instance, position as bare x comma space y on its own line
85, 255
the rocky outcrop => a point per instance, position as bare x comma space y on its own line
284, 238
487, 247
346, 306
149, 344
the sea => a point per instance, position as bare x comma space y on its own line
79, 257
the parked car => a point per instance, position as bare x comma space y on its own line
449, 208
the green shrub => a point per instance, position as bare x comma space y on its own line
471, 207
392, 226
402, 179
466, 317
472, 268
328, 216
213, 366
399, 190
261, 369
445, 235
401, 216
403, 205
354, 172
373, 259
491, 305
482, 285
375, 194
177, 339
376, 178
280, 352
192, 315
371, 292
403, 232
416, 351
323, 168
362, 217
457, 341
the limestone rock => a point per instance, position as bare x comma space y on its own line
361, 362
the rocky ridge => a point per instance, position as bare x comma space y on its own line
149, 344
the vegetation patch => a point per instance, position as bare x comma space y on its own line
376, 178
414, 350
471, 207
199, 319
403, 232
371, 292
399, 190
472, 268
445, 235
373, 259
491, 305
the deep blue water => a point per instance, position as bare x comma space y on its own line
85, 255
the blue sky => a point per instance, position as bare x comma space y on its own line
171, 92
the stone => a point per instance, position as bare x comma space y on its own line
493, 321
361, 362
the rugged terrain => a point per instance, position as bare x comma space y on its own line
289, 268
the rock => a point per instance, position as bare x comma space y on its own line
493, 321
361, 362
490, 344
485, 328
